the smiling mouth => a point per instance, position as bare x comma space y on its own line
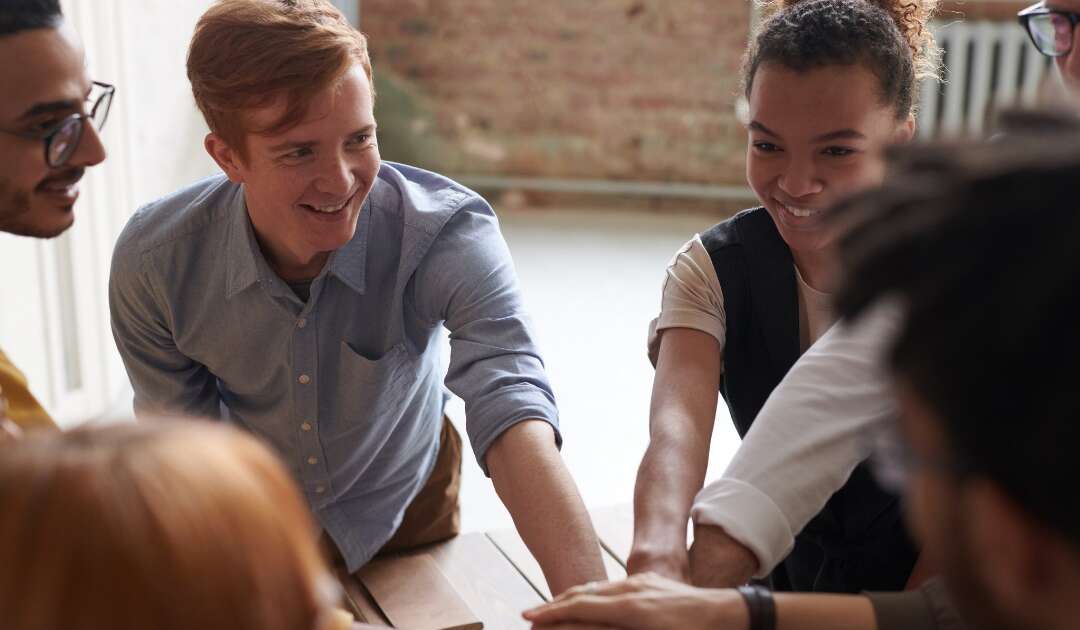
66, 184
802, 213
326, 209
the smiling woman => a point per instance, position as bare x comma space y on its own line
830, 84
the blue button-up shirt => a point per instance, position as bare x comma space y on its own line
346, 386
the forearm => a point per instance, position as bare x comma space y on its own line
717, 560
671, 473
535, 485
681, 418
799, 611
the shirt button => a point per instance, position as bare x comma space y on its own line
306, 426
312, 461
304, 379
320, 489
300, 323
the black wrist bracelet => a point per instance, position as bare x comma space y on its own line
759, 601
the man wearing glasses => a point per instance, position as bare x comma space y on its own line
50, 114
1052, 27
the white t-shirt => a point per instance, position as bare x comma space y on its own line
692, 298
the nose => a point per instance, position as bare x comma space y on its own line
800, 179
91, 149
336, 177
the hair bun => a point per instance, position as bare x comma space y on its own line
912, 18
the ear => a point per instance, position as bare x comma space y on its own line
1014, 551
905, 131
225, 156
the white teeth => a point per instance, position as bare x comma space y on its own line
801, 212
328, 209
65, 190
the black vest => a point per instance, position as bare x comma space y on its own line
858, 541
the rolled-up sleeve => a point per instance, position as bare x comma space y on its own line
468, 281
164, 380
815, 428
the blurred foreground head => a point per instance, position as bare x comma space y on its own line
978, 245
171, 524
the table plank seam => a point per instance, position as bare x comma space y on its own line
516, 568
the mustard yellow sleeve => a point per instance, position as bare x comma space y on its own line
22, 408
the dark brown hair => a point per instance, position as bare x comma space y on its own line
888, 37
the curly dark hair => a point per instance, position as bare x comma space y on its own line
889, 37
24, 15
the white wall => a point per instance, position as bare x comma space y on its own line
59, 333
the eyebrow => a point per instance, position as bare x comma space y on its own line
307, 144
756, 126
49, 108
839, 134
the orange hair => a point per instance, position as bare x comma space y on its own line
168, 525
246, 54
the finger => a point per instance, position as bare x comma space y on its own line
594, 609
615, 587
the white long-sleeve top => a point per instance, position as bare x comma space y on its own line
816, 427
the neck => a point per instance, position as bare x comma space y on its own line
817, 268
288, 264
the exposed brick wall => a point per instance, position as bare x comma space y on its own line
614, 89
997, 10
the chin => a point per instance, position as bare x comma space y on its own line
43, 224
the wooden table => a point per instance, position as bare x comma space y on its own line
492, 574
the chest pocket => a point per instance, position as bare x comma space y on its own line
374, 391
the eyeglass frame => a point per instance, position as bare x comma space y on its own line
48, 135
1040, 8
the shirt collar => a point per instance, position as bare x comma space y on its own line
241, 250
246, 265
349, 262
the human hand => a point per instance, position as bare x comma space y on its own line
719, 561
643, 602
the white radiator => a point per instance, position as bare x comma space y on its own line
988, 66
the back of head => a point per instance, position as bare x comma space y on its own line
980, 243
163, 525
889, 37
246, 54
24, 15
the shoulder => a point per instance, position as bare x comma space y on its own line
181, 218
729, 234
426, 201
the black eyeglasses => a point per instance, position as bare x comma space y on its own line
1050, 30
62, 139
